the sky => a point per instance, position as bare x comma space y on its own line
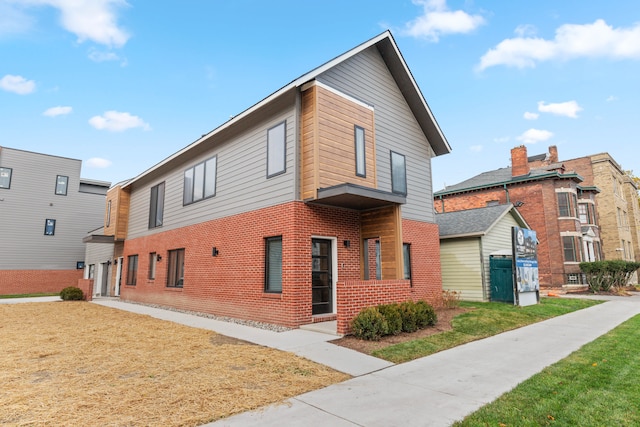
121, 85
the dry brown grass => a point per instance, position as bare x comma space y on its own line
76, 363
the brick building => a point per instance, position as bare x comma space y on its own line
617, 204
307, 207
555, 201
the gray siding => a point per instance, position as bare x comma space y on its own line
241, 183
498, 238
366, 77
31, 200
462, 267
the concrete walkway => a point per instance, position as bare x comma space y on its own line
432, 391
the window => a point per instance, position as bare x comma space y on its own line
273, 264
132, 270
49, 227
153, 259
567, 204
276, 150
92, 271
156, 207
406, 256
569, 246
361, 166
587, 213
372, 259
398, 174
61, 185
200, 181
108, 213
5, 178
175, 275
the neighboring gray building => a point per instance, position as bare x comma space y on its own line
46, 209
468, 239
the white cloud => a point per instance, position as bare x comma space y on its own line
17, 84
525, 30
98, 56
532, 136
94, 20
501, 139
475, 148
57, 111
612, 98
530, 116
438, 20
98, 163
13, 20
597, 40
116, 121
567, 109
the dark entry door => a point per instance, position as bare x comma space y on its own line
501, 276
321, 283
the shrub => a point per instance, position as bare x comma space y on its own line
426, 315
409, 316
71, 293
451, 299
369, 324
391, 313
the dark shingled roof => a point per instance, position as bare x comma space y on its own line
471, 221
503, 176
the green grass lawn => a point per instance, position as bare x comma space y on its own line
595, 386
44, 294
483, 319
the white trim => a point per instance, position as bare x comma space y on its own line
118, 276
336, 92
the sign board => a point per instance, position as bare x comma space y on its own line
525, 271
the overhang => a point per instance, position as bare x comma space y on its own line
98, 238
356, 197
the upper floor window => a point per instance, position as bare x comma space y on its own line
567, 204
62, 183
398, 173
5, 177
156, 206
108, 213
361, 165
49, 227
175, 275
276, 150
587, 213
200, 181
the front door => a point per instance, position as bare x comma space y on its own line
322, 282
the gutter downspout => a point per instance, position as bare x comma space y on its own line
507, 193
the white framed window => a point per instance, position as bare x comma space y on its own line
276, 150
156, 206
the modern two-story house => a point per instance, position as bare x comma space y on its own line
46, 209
310, 205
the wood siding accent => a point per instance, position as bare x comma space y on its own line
366, 77
241, 179
31, 200
328, 141
120, 200
385, 224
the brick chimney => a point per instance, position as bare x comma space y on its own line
553, 154
519, 161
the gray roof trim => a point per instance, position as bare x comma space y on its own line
95, 182
394, 60
475, 222
356, 197
514, 180
98, 238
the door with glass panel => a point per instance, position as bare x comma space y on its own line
322, 282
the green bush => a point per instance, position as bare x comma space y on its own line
392, 315
606, 275
369, 324
409, 314
426, 315
71, 293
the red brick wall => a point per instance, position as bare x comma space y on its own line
232, 283
36, 281
86, 285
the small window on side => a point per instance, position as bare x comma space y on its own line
5, 178
361, 165
398, 174
276, 150
273, 264
62, 182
